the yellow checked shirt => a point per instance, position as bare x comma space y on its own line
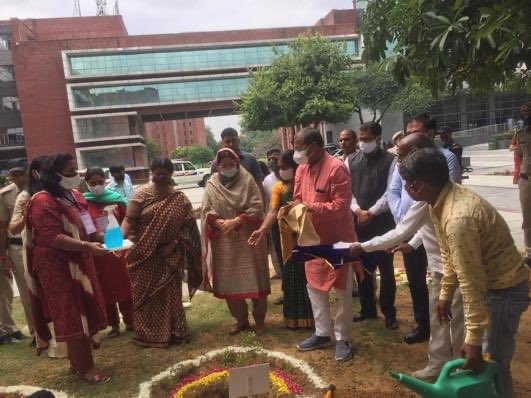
477, 251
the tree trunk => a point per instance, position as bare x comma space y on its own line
383, 113
360, 115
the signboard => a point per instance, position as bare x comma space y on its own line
249, 381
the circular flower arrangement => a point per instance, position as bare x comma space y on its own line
281, 383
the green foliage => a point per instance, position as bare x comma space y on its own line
153, 149
450, 43
211, 140
306, 85
198, 155
373, 89
413, 99
259, 142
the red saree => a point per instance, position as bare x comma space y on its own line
64, 285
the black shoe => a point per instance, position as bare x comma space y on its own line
360, 317
17, 335
417, 335
33, 343
391, 323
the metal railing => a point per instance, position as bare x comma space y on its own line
11, 140
479, 135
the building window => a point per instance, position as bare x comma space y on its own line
5, 42
9, 104
180, 60
7, 73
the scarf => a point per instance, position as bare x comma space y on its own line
107, 196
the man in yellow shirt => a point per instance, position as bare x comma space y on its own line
479, 255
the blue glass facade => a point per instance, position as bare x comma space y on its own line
175, 92
125, 63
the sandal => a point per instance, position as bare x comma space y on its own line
97, 378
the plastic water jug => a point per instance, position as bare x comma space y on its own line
113, 237
455, 382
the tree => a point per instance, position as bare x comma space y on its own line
198, 155
450, 44
373, 89
305, 86
259, 142
413, 99
153, 149
211, 140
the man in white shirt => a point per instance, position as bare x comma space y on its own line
446, 338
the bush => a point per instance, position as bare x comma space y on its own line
198, 155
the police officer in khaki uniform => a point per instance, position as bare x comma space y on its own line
523, 148
11, 261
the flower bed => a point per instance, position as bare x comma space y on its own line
214, 383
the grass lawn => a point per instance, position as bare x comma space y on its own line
378, 350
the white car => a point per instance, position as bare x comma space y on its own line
187, 174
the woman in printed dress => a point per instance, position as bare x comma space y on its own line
64, 285
296, 306
161, 224
112, 267
232, 207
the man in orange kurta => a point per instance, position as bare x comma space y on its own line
323, 185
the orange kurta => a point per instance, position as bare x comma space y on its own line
326, 187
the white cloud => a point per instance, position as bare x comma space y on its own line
174, 16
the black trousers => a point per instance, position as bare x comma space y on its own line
416, 264
384, 262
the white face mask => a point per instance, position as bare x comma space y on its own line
300, 157
70, 183
229, 173
368, 147
96, 190
286, 175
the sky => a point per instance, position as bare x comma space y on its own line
175, 16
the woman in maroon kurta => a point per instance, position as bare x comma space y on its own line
112, 267
64, 285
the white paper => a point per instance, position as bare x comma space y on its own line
127, 245
342, 245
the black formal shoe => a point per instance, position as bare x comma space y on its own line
391, 323
360, 317
17, 335
417, 335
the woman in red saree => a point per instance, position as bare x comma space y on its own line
65, 289
232, 209
112, 267
161, 224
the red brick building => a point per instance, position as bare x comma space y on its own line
84, 86
170, 134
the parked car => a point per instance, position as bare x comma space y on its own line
330, 148
187, 174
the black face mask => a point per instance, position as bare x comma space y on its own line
119, 179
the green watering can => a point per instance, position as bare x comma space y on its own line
454, 382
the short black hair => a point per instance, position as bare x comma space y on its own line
287, 158
431, 124
374, 128
50, 177
34, 183
117, 168
228, 132
421, 117
94, 171
163, 163
351, 132
310, 135
272, 151
428, 165
446, 129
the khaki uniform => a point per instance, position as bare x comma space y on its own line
8, 196
523, 148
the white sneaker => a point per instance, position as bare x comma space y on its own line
427, 374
